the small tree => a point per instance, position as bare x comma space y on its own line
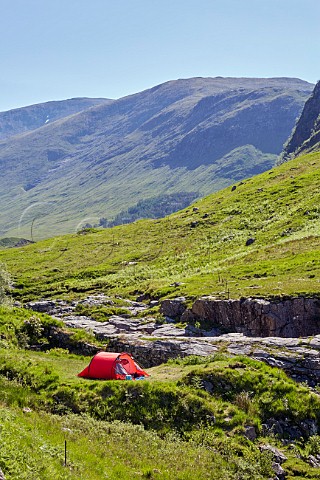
5, 284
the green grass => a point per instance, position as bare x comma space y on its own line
243, 391
279, 208
133, 430
33, 444
257, 389
21, 328
125, 430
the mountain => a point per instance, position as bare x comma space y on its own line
193, 135
26, 119
306, 134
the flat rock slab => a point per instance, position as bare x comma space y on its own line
302, 364
117, 325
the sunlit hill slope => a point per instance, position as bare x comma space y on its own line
200, 250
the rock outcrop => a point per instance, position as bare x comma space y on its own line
306, 135
295, 317
173, 308
57, 338
289, 318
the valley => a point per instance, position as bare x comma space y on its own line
219, 300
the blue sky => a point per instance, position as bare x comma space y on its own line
56, 49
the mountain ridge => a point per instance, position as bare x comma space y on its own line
171, 138
26, 119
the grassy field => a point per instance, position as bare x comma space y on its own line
197, 251
34, 448
168, 426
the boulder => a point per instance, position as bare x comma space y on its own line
313, 461
279, 471
43, 306
168, 331
250, 433
250, 241
173, 308
276, 454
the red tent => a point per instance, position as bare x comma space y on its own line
113, 366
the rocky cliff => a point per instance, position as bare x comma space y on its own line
294, 317
306, 135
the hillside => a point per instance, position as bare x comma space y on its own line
306, 134
26, 119
259, 238
229, 417
182, 136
